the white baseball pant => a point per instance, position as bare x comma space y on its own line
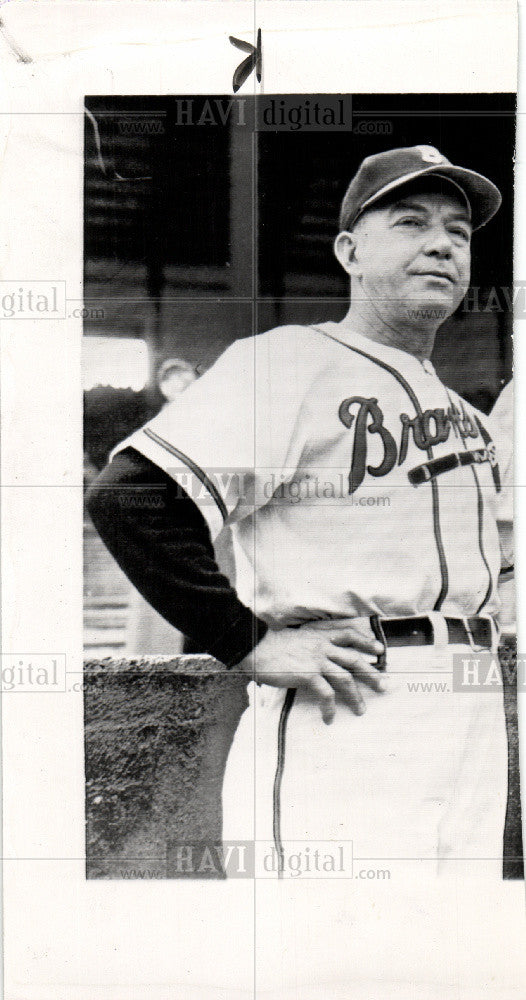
419, 785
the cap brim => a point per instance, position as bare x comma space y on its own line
483, 196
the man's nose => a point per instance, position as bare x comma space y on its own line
438, 242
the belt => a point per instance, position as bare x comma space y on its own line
419, 630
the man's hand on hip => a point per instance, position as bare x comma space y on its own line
324, 657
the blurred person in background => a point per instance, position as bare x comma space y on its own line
174, 376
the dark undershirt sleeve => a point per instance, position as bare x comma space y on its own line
161, 540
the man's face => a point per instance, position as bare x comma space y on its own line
412, 256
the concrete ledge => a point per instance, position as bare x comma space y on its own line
157, 735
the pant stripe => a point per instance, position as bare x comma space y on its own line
280, 764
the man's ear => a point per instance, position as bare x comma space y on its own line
344, 250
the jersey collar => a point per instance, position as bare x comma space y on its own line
397, 358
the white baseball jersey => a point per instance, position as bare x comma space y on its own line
501, 425
353, 480
501, 418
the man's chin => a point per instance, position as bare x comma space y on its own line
433, 308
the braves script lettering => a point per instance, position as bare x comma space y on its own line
427, 429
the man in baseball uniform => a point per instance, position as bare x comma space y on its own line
361, 495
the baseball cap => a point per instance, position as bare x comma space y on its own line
384, 172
